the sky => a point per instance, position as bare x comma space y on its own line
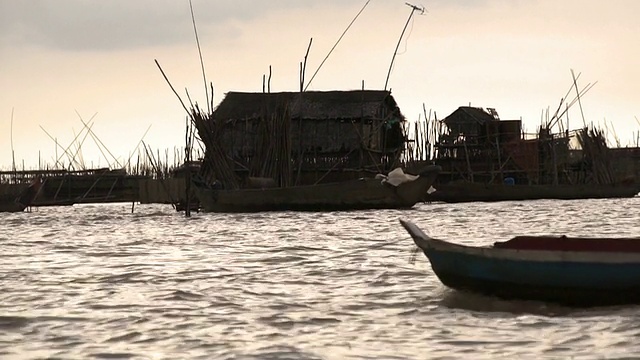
65, 62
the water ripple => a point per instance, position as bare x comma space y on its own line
96, 281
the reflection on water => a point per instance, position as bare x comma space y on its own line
475, 302
96, 281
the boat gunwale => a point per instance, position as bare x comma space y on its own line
428, 244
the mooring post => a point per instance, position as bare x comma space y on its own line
189, 136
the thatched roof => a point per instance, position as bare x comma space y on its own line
313, 105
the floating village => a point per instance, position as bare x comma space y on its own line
345, 150
326, 220
341, 150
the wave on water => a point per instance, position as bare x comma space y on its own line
101, 282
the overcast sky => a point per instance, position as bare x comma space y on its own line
97, 58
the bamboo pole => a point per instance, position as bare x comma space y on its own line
395, 52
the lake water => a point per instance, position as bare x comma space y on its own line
97, 281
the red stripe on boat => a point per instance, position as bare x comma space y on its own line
563, 243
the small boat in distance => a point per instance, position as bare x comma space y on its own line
569, 271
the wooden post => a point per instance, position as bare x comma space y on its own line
55, 196
555, 161
466, 155
499, 155
362, 137
187, 167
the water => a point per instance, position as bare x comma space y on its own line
96, 281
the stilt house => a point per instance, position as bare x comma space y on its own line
479, 147
311, 137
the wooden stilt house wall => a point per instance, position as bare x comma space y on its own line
298, 138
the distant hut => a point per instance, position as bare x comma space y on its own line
479, 147
476, 146
309, 137
479, 126
467, 121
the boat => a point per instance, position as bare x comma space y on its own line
17, 202
575, 272
469, 192
394, 191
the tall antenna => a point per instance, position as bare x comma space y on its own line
413, 10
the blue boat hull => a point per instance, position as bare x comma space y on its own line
574, 278
568, 283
